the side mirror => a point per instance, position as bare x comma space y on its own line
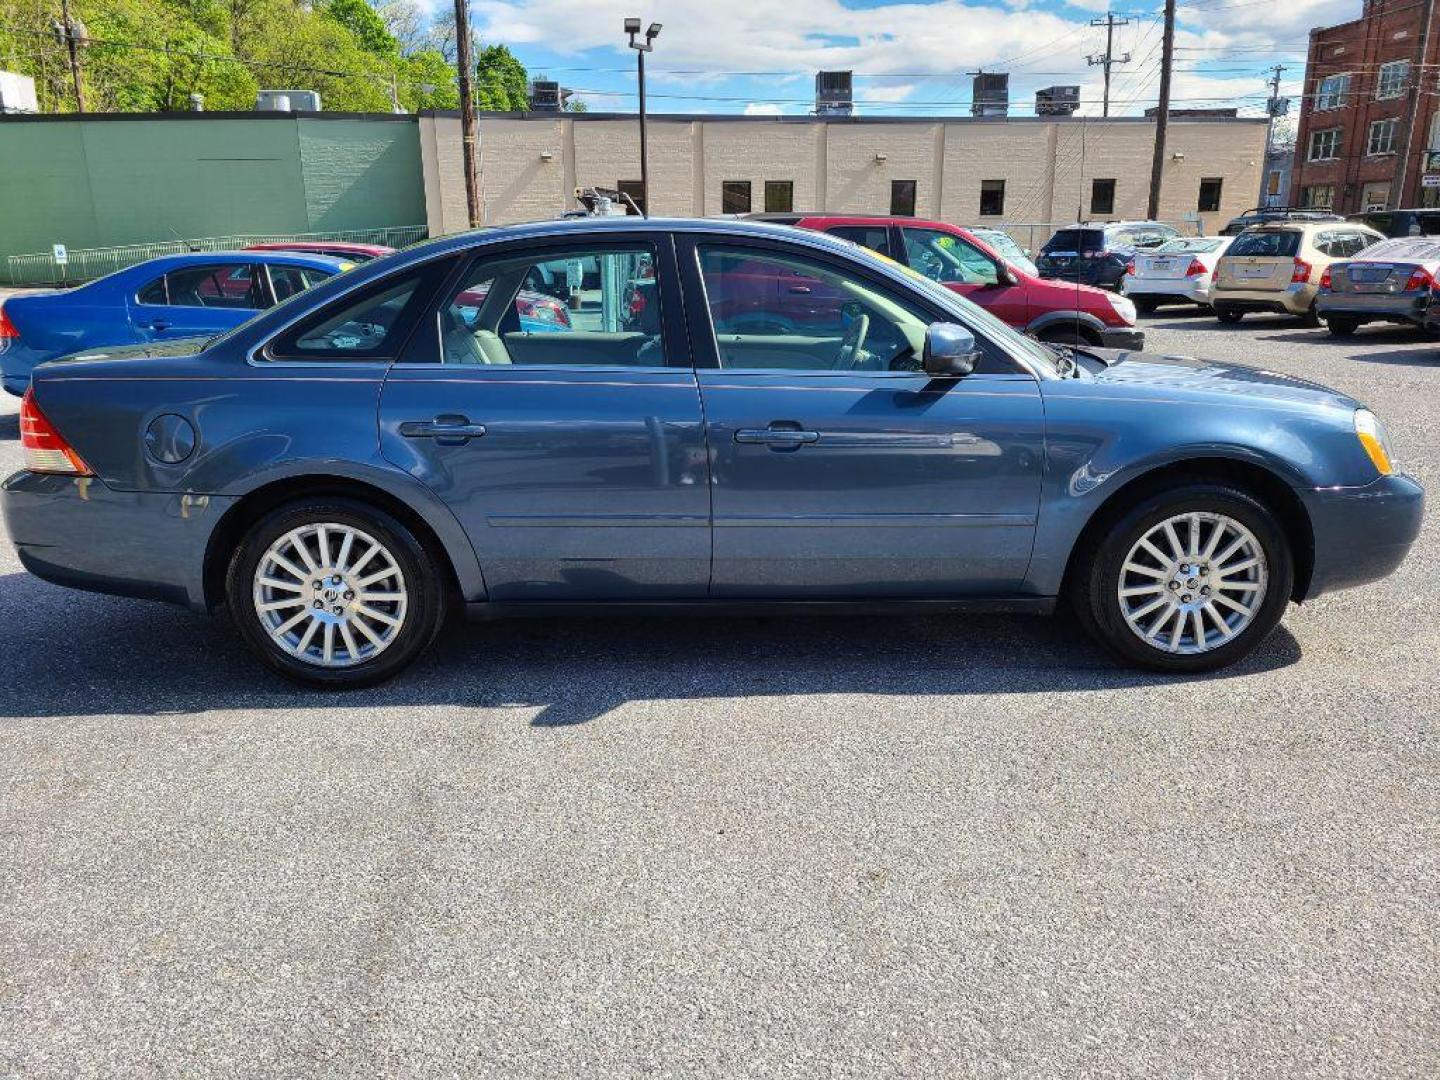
1004, 275
950, 351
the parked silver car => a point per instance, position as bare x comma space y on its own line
1387, 282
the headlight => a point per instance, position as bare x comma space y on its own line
1371, 434
1123, 307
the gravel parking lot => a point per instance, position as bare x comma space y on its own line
762, 847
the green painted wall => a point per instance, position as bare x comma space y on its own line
102, 183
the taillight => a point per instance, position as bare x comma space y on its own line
1130, 268
1196, 269
1301, 273
1325, 278
45, 450
7, 328
1419, 279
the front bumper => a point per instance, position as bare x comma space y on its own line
1362, 533
1292, 300
1379, 307
75, 531
1123, 337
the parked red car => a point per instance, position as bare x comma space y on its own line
338, 249
1062, 312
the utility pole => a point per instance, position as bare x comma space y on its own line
1412, 108
465, 66
1110, 22
72, 30
1162, 114
1272, 109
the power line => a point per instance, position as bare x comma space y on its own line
1108, 58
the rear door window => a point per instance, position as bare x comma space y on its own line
874, 237
286, 281
1276, 244
234, 286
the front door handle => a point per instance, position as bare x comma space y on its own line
777, 438
448, 430
159, 324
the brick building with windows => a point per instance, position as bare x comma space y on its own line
1358, 104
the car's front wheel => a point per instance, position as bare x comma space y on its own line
334, 593
1187, 580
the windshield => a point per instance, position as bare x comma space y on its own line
1198, 245
971, 315
1276, 243
1003, 244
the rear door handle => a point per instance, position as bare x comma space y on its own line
445, 430
159, 324
777, 438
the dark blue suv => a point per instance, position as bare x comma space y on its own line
1098, 254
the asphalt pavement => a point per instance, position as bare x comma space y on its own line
752, 847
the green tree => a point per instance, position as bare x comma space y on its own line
501, 83
366, 25
427, 81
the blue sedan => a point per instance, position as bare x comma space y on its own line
344, 470
175, 296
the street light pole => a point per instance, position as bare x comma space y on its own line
632, 27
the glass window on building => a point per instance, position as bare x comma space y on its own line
735, 197
1102, 197
1382, 137
1393, 78
1324, 145
1318, 197
1210, 188
1333, 92
992, 198
902, 198
1272, 184
779, 196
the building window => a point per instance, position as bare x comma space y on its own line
1333, 92
1318, 197
1324, 145
1272, 183
1210, 187
779, 196
636, 190
735, 197
1393, 77
902, 198
1102, 197
1382, 137
992, 198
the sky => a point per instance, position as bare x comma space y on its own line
760, 56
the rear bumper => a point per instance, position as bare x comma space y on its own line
77, 532
1362, 534
1363, 306
1292, 300
1195, 289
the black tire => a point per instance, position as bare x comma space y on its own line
1311, 317
1341, 327
1146, 307
1228, 314
1064, 335
1094, 587
424, 608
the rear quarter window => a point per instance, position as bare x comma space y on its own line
1277, 244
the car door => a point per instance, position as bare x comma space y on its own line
963, 268
574, 456
194, 301
839, 469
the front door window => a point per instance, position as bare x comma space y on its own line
948, 259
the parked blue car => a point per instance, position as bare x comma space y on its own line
175, 296
345, 469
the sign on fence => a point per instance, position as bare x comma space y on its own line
61, 255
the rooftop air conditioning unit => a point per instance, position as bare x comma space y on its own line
990, 95
544, 96
834, 93
17, 93
1057, 101
287, 101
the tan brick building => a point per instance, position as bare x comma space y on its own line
1015, 172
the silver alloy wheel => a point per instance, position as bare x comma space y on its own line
330, 595
1193, 582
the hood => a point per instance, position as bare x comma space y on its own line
189, 346
1164, 374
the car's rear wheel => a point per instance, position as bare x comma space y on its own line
334, 593
1187, 580
1228, 314
1341, 327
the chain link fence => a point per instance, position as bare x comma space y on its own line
86, 264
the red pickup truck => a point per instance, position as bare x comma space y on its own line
1063, 312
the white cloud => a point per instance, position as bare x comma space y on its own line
763, 108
